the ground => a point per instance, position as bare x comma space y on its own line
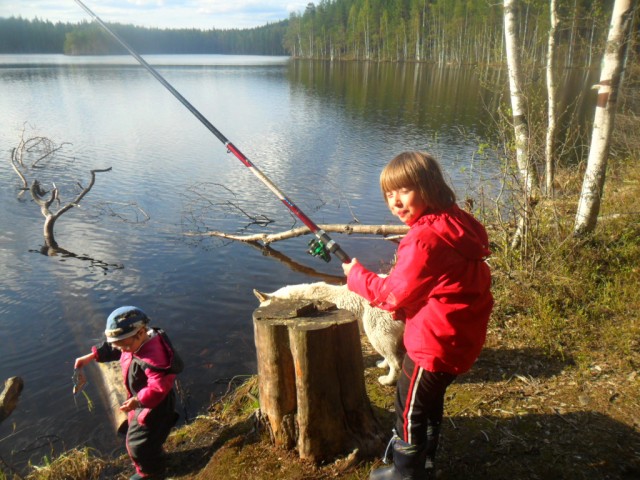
517, 415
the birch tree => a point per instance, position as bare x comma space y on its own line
608, 86
526, 170
552, 95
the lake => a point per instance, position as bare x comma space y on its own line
321, 132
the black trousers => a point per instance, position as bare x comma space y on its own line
144, 441
420, 402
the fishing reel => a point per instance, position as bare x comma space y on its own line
318, 249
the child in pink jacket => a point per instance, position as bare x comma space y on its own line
149, 367
440, 287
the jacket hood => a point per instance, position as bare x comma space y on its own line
155, 352
460, 230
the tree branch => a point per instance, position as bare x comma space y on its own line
15, 160
76, 201
266, 239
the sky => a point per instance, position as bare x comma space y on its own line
200, 14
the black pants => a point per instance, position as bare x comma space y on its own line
420, 402
144, 441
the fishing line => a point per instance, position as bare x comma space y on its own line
320, 247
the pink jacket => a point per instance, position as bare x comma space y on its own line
158, 384
149, 385
440, 286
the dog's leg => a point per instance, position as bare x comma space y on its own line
392, 377
382, 363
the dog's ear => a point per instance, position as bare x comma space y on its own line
262, 297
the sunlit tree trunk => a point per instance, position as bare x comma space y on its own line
552, 95
528, 175
569, 59
608, 86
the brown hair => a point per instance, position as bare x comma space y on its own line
418, 170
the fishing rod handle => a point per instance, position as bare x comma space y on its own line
342, 255
332, 246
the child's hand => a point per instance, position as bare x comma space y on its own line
131, 404
82, 361
346, 267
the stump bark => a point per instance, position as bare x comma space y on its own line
311, 380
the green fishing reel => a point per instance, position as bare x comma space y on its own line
318, 249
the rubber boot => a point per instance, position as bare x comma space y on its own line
408, 462
433, 434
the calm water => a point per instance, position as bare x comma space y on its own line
320, 132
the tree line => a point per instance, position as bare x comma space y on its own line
443, 31
438, 31
18, 35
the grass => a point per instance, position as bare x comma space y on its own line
555, 393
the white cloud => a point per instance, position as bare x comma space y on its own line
203, 14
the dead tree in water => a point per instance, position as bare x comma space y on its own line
45, 205
39, 150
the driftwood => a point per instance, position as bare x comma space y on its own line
9, 396
388, 231
311, 380
38, 195
44, 149
113, 393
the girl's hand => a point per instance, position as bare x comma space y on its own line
130, 404
82, 361
346, 267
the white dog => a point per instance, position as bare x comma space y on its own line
384, 333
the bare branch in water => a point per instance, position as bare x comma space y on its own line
390, 232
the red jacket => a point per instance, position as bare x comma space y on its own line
440, 286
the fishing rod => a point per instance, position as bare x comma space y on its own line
323, 245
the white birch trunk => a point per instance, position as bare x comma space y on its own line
528, 175
552, 95
610, 77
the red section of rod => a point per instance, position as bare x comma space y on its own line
287, 202
300, 214
232, 148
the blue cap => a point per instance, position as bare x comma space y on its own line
124, 322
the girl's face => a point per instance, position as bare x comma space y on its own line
406, 204
131, 344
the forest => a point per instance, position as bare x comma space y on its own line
438, 31
18, 35
443, 31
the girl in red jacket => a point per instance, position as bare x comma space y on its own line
440, 287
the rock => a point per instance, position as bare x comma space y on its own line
9, 396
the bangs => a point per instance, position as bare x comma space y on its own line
419, 171
397, 175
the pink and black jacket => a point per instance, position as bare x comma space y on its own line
147, 374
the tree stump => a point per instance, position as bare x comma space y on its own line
311, 380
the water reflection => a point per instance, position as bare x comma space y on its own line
411, 94
57, 251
